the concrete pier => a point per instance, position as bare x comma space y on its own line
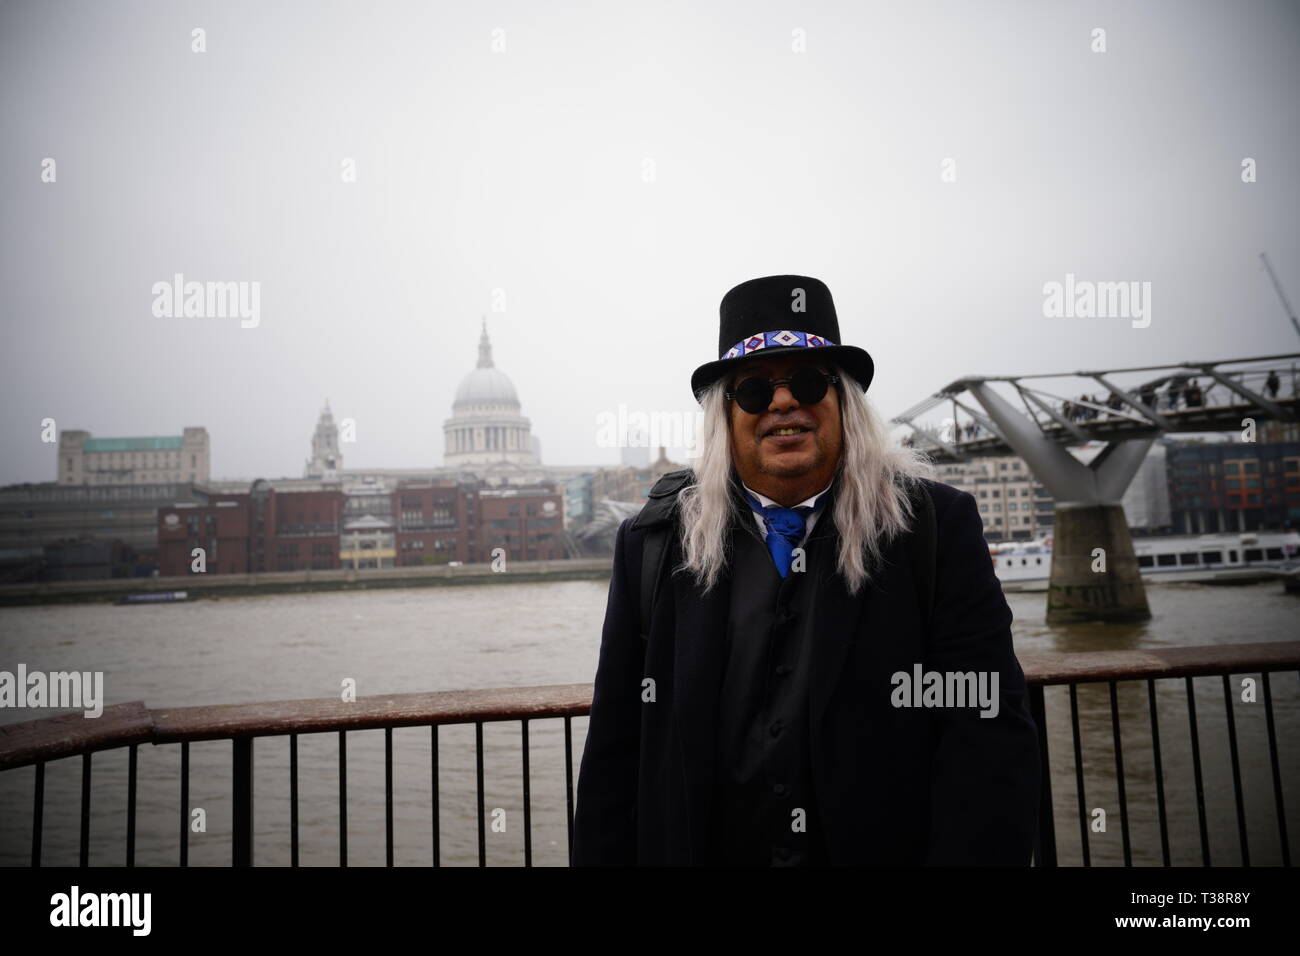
1079, 590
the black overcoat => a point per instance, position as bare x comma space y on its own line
894, 785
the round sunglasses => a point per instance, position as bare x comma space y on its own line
807, 385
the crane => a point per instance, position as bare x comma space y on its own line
1290, 312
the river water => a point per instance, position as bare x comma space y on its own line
280, 647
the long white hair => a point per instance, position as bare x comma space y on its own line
871, 497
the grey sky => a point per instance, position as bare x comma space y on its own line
523, 170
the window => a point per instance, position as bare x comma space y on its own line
1189, 557
1254, 554
1212, 557
1166, 560
1144, 561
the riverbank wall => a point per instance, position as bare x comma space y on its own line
198, 586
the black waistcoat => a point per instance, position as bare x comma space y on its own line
764, 774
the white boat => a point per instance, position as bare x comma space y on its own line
1022, 562
1241, 556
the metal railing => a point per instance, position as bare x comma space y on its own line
1174, 663
36, 743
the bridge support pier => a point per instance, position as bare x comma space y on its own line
1094, 570
1095, 573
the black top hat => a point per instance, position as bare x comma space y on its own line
780, 314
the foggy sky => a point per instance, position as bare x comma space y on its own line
523, 170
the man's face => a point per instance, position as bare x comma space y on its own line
782, 466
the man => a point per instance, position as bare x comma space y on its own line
781, 708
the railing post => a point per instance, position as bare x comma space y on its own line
38, 809
1045, 841
185, 803
85, 809
241, 851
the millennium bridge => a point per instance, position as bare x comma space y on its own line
1127, 409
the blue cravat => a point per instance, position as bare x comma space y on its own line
784, 529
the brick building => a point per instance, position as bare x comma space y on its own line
257, 531
321, 526
528, 523
436, 522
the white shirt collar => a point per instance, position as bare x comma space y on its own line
767, 502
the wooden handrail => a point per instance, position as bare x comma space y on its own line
1086, 667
